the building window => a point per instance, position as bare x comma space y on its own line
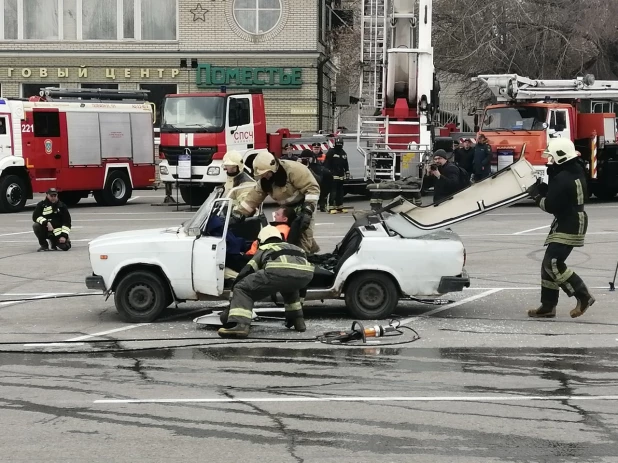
89, 19
257, 16
28, 90
156, 95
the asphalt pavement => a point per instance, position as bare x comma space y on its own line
482, 384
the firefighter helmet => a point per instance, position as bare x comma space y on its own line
339, 141
264, 162
233, 158
560, 150
269, 232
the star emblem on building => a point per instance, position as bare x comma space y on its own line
199, 13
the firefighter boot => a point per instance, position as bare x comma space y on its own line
545, 311
583, 302
295, 320
240, 330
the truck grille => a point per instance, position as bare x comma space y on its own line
199, 156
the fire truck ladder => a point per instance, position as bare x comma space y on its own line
96, 94
397, 61
511, 87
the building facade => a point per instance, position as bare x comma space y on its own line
175, 46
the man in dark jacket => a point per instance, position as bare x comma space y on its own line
447, 176
464, 156
482, 159
321, 174
564, 197
337, 163
52, 221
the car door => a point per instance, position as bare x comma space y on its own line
501, 189
208, 263
239, 130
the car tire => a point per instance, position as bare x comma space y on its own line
371, 296
195, 196
13, 194
117, 190
141, 296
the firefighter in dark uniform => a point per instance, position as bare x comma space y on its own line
321, 174
52, 221
337, 163
277, 267
564, 198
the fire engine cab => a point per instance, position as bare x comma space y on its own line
530, 112
78, 141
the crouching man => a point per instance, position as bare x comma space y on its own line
277, 267
52, 221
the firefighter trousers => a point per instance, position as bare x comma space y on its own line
336, 194
264, 283
555, 275
43, 234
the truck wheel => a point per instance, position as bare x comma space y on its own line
141, 296
371, 296
13, 194
70, 198
194, 195
117, 190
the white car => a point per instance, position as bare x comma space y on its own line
400, 252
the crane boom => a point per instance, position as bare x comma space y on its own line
511, 87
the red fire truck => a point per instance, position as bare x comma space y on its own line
208, 125
78, 141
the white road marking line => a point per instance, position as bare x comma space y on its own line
328, 236
452, 305
54, 344
326, 223
531, 229
130, 327
133, 198
504, 398
17, 233
478, 235
160, 219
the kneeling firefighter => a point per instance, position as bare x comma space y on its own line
563, 197
234, 166
277, 267
290, 184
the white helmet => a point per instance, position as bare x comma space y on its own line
233, 158
560, 150
269, 232
264, 162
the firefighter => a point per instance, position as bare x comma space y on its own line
564, 198
317, 151
52, 221
287, 154
337, 163
289, 183
234, 166
322, 175
277, 267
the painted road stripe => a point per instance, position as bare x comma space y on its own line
531, 229
133, 198
504, 398
54, 344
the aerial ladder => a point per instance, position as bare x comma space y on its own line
581, 109
398, 95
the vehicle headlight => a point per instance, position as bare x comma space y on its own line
163, 170
214, 170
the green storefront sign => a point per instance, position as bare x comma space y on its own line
209, 76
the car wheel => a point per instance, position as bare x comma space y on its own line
13, 194
141, 296
117, 190
371, 295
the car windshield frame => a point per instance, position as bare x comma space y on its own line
525, 119
194, 225
193, 113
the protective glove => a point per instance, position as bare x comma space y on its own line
305, 218
347, 175
236, 219
535, 190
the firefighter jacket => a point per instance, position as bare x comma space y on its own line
57, 214
565, 199
232, 182
337, 162
278, 258
292, 185
284, 228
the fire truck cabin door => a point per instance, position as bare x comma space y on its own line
5, 136
47, 145
239, 130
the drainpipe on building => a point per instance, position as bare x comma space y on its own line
321, 65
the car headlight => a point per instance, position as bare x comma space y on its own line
163, 170
214, 170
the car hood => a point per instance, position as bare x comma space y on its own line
503, 188
139, 237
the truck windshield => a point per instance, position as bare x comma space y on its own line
514, 118
205, 113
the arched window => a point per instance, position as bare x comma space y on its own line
257, 17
